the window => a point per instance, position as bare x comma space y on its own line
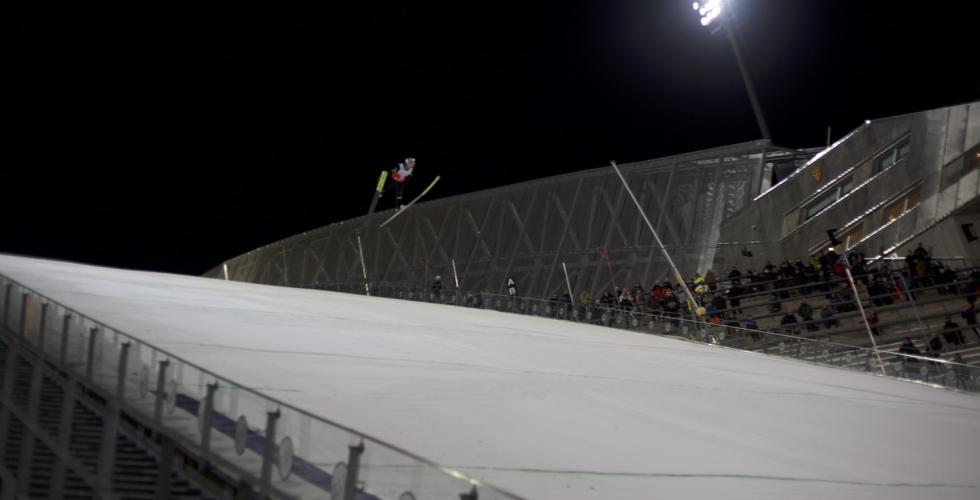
959, 167
913, 199
833, 194
903, 204
854, 235
894, 155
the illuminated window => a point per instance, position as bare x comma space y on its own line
902, 205
896, 209
894, 155
913, 199
854, 236
833, 194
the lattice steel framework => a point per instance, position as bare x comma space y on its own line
526, 231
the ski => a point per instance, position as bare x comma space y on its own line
417, 198
378, 191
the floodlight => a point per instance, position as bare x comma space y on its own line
709, 11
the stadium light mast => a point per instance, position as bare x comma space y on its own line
716, 15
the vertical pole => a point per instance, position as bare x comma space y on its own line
27, 443
568, 282
90, 359
360, 252
857, 298
756, 108
22, 327
680, 279
828, 136
455, 276
268, 453
456, 294
353, 465
41, 325
161, 395
64, 437
6, 302
65, 327
121, 371
224, 267
206, 419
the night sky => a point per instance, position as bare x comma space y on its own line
174, 136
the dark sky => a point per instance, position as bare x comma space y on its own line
174, 136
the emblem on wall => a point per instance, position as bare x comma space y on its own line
816, 173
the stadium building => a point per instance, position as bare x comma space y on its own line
884, 188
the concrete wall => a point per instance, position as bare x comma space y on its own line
938, 138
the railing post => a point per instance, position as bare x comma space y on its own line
9, 289
65, 327
64, 437
121, 370
22, 327
161, 394
41, 325
353, 465
268, 453
9, 372
27, 444
90, 359
206, 419
470, 495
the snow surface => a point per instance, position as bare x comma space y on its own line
544, 408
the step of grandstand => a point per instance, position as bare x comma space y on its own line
898, 316
136, 467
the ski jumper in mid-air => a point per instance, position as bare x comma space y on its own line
400, 177
397, 179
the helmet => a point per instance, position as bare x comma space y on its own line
438, 278
409, 162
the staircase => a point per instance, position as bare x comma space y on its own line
137, 468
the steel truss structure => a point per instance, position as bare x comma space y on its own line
528, 230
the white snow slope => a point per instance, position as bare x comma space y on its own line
544, 408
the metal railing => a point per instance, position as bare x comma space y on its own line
259, 443
919, 368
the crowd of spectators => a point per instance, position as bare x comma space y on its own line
818, 288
